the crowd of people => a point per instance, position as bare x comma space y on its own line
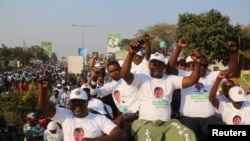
147, 97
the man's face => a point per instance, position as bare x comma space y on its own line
204, 67
79, 107
162, 51
226, 86
114, 72
52, 131
137, 59
156, 68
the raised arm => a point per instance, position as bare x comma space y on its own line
212, 96
43, 97
171, 65
233, 53
125, 71
195, 75
146, 38
92, 61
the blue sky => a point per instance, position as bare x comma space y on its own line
31, 21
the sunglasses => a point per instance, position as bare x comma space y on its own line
204, 65
182, 64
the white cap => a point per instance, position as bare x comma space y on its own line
78, 94
98, 65
52, 126
189, 59
139, 53
63, 82
237, 94
59, 85
86, 86
157, 56
30, 117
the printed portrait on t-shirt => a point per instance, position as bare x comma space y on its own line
237, 120
79, 134
158, 92
117, 96
200, 87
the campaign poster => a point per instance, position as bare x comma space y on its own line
113, 42
47, 47
82, 52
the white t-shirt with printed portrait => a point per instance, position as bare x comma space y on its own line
194, 102
228, 112
94, 125
151, 107
129, 98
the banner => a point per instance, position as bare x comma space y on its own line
47, 47
75, 64
113, 42
82, 52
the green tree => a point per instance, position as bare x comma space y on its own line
158, 32
54, 58
207, 32
246, 31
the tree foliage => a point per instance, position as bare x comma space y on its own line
207, 32
246, 31
158, 32
24, 54
16, 105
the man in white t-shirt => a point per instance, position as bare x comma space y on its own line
124, 96
195, 109
154, 121
53, 132
94, 125
140, 59
95, 105
234, 111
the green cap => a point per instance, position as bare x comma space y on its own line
162, 44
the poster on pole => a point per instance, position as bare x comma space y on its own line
113, 42
82, 52
47, 47
75, 64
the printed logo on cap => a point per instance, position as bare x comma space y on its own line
157, 54
78, 93
240, 92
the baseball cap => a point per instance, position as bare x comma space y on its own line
237, 94
63, 82
109, 57
78, 93
189, 59
157, 56
58, 85
86, 86
139, 53
52, 125
98, 65
30, 117
162, 44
